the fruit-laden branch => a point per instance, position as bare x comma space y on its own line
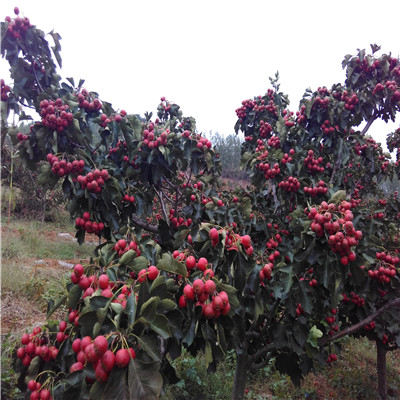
143, 224
361, 324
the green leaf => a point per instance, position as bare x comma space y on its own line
169, 264
128, 258
313, 336
144, 380
148, 344
74, 296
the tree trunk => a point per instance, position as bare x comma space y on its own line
239, 382
381, 369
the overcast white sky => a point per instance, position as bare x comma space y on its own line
208, 56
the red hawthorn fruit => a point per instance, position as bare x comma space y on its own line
189, 292
26, 361
122, 358
132, 352
85, 342
103, 281
217, 303
213, 234
152, 272
224, 296
108, 360
45, 394
76, 366
84, 282
182, 304
32, 385
209, 287
21, 352
25, 339
122, 244
107, 293
190, 262
100, 373
142, 276
208, 311
60, 337
78, 270
30, 349
100, 345
225, 310
91, 354
208, 273
202, 264
198, 286
62, 326
246, 241
35, 396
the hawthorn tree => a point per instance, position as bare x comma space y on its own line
276, 271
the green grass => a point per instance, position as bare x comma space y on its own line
25, 239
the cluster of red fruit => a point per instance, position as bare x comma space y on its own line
128, 199
321, 102
203, 291
336, 221
191, 263
178, 221
35, 344
355, 299
38, 392
93, 181
87, 225
327, 129
62, 167
269, 172
87, 102
97, 353
266, 272
331, 358
350, 100
5, 89
203, 142
332, 321
122, 246
301, 116
151, 140
392, 87
287, 157
386, 267
274, 142
315, 190
265, 129
55, 114
312, 163
117, 118
299, 310
21, 136
290, 184
288, 118
19, 26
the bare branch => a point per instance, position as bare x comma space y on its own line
352, 329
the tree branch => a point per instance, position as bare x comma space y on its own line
352, 329
144, 224
164, 211
369, 123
